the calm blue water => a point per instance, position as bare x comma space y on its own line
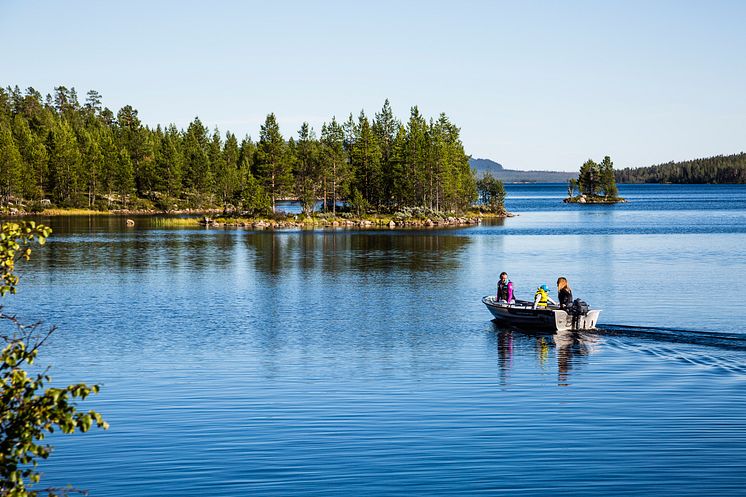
363, 363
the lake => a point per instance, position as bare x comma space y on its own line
342, 362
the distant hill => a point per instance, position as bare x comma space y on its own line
718, 169
483, 166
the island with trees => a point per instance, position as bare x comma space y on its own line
56, 153
596, 184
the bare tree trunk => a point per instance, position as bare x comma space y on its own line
273, 192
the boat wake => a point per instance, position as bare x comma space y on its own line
735, 341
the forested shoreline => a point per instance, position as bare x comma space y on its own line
717, 169
55, 151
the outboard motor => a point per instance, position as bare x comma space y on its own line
578, 308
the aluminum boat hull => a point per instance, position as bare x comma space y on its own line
522, 315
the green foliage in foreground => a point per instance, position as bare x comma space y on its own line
57, 150
28, 410
718, 169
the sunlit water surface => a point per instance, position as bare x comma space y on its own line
344, 362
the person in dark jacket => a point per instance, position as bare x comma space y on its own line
564, 293
505, 289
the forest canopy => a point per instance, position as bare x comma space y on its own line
57, 150
718, 169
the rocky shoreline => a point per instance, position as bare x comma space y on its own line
15, 212
315, 223
583, 199
216, 218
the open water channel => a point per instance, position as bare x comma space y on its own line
339, 362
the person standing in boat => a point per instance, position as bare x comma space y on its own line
542, 298
564, 293
505, 289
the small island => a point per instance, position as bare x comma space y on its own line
595, 184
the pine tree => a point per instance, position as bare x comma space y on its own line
227, 179
307, 168
254, 198
10, 164
335, 170
217, 166
492, 193
246, 156
608, 183
385, 126
124, 179
93, 159
416, 157
365, 159
93, 102
169, 161
34, 159
272, 161
196, 159
64, 164
402, 183
589, 178
110, 162
134, 137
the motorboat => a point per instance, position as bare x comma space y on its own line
521, 314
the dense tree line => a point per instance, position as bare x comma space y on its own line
83, 155
718, 169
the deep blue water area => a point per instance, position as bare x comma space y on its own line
345, 362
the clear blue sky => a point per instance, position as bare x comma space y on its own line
533, 85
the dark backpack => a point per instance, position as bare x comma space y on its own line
579, 308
